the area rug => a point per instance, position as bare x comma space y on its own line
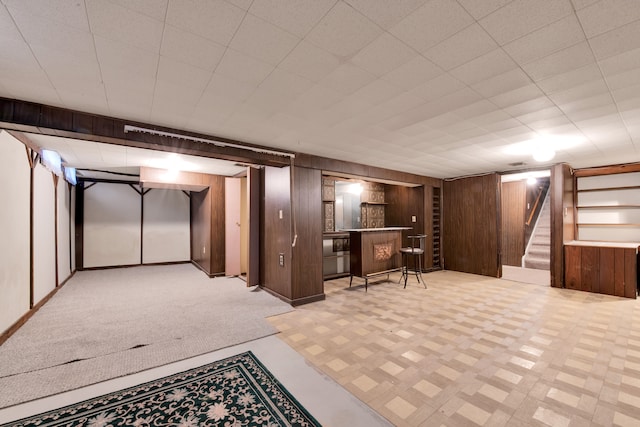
236, 391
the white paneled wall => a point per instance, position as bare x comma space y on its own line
64, 231
112, 224
14, 229
609, 207
44, 234
166, 226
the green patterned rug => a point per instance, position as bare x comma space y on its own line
237, 391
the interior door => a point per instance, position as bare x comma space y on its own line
232, 226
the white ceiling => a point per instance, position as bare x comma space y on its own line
435, 87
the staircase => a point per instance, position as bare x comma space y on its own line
539, 248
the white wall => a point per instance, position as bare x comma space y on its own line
166, 226
73, 228
64, 197
44, 234
14, 229
111, 225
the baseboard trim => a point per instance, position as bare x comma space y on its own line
108, 267
297, 301
25, 317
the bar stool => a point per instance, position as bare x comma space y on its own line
415, 250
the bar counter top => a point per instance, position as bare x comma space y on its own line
377, 229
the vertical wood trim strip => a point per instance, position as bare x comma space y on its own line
55, 218
79, 225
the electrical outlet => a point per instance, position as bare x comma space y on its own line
204, 250
280, 214
281, 260
413, 218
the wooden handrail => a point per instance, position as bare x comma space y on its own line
535, 206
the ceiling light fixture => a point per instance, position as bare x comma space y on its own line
129, 128
543, 154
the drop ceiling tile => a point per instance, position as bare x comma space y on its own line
550, 112
222, 89
68, 13
522, 17
156, 9
383, 55
413, 73
18, 61
488, 65
431, 24
343, 31
511, 80
118, 23
376, 92
480, 9
475, 109
215, 20
347, 79
438, 87
607, 15
559, 35
560, 62
462, 47
581, 92
315, 99
37, 89
297, 17
530, 106
67, 71
179, 73
581, 4
385, 13
243, 68
125, 66
262, 40
88, 98
626, 61
624, 80
280, 88
310, 62
579, 112
8, 29
569, 79
41, 31
617, 41
190, 48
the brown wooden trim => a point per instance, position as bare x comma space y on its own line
607, 170
33, 156
25, 317
211, 275
79, 229
297, 301
23, 116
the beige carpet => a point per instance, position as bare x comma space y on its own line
108, 323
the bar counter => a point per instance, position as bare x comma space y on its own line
374, 251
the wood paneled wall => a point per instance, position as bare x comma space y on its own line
403, 203
306, 271
562, 219
276, 232
513, 219
471, 235
201, 230
207, 226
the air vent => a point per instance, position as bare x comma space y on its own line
517, 164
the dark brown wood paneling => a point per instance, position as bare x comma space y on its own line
216, 192
608, 170
607, 272
253, 194
402, 204
306, 261
590, 269
573, 275
630, 273
276, 232
513, 219
201, 230
471, 238
562, 219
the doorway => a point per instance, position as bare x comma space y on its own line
526, 228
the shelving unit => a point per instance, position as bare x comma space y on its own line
608, 212
436, 227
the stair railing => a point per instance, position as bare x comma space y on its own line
535, 206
